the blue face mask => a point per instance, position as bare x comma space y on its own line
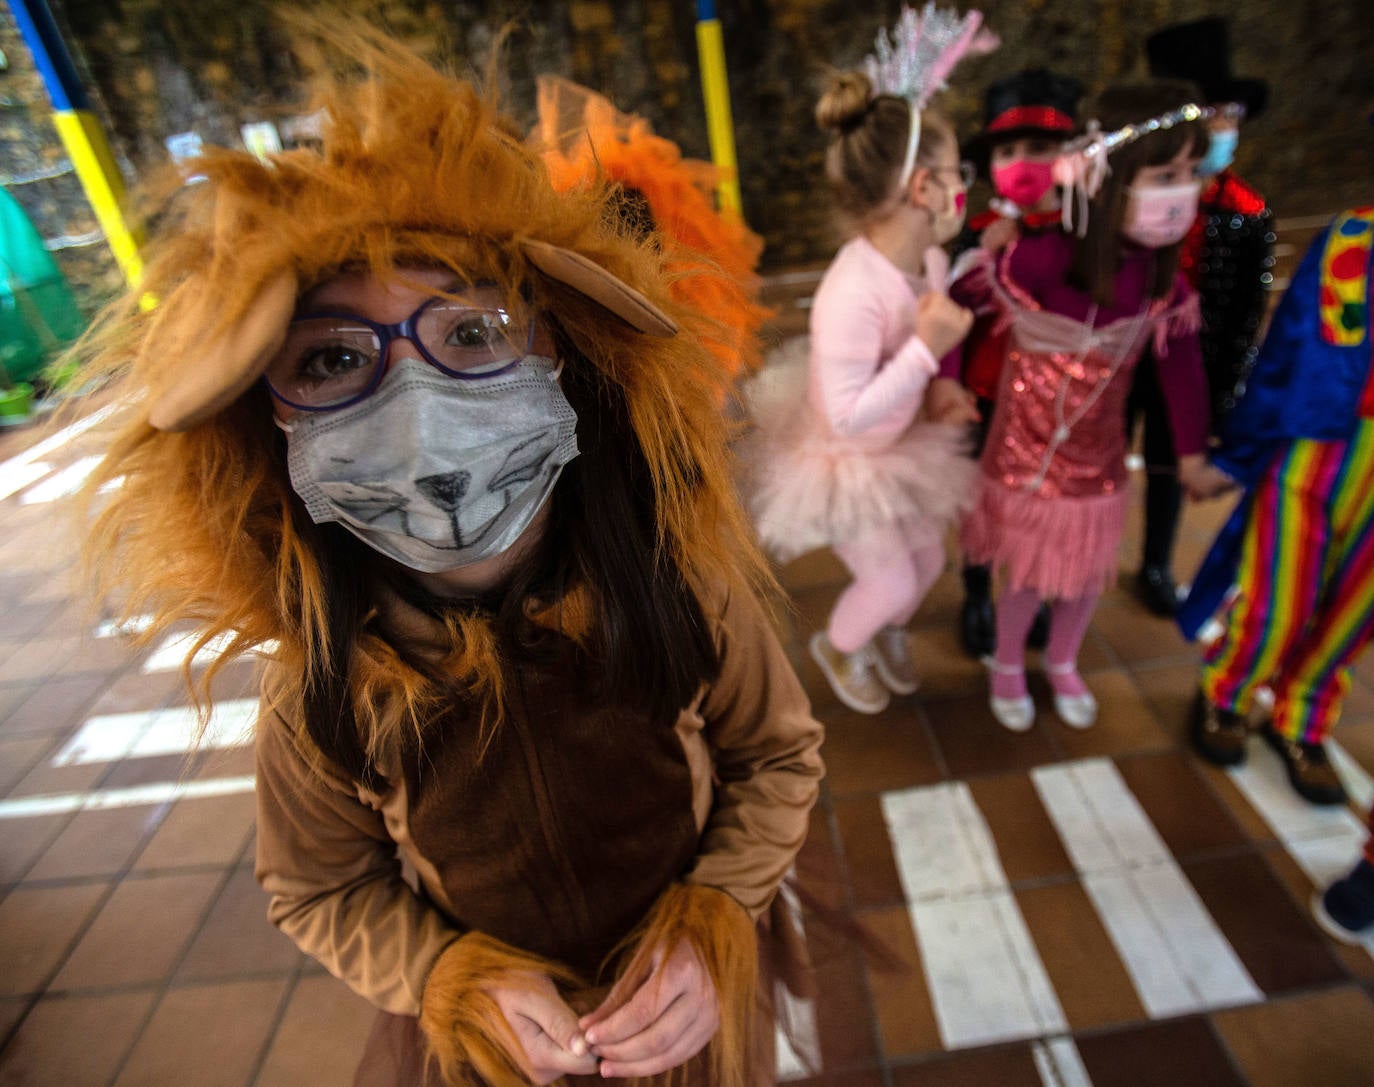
1220, 153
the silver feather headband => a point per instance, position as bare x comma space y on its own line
914, 60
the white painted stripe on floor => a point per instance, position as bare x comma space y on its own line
1264, 781
1358, 784
1177, 957
985, 977
798, 1039
986, 980
27, 467
941, 842
1324, 841
1059, 1063
15, 477
1098, 818
136, 625
159, 792
1328, 860
158, 732
60, 484
172, 653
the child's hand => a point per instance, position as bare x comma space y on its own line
1201, 479
998, 235
940, 323
949, 402
546, 1029
666, 1021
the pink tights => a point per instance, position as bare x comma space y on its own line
891, 578
1068, 624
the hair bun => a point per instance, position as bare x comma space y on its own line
845, 102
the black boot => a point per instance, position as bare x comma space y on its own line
977, 619
1157, 591
1155, 583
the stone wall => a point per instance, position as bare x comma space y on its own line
167, 66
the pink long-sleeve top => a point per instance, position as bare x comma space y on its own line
1040, 265
869, 370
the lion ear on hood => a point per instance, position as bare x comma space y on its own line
225, 365
595, 282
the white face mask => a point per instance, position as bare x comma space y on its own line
434, 471
1158, 216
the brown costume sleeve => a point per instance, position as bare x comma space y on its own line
331, 868
765, 746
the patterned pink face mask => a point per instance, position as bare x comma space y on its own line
1158, 216
1022, 182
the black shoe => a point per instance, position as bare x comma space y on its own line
1309, 770
1345, 910
1157, 590
1039, 635
1218, 735
978, 625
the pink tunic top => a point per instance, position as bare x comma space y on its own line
1052, 505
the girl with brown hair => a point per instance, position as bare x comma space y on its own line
436, 440
1080, 311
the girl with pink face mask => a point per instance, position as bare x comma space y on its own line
1028, 116
1080, 307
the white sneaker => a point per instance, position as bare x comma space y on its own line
851, 675
1015, 714
892, 660
1075, 710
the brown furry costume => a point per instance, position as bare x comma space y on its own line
468, 748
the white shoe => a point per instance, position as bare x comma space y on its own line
892, 660
1075, 710
850, 675
1015, 714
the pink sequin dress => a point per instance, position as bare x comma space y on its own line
839, 451
1053, 501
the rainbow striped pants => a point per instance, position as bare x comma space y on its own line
1304, 605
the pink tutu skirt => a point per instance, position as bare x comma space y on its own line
807, 488
1060, 547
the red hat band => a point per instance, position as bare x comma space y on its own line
1042, 117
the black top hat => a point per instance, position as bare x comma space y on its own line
1035, 102
1200, 52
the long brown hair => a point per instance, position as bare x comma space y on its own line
415, 168
1097, 256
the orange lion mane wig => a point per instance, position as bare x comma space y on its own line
416, 168
713, 255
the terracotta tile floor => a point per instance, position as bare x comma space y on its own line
1055, 908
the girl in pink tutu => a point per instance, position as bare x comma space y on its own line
1080, 310
847, 463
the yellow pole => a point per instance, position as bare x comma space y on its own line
99, 176
715, 88
80, 132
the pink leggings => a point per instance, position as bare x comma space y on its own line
1068, 625
892, 574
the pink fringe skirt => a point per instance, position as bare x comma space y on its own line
807, 488
1060, 547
